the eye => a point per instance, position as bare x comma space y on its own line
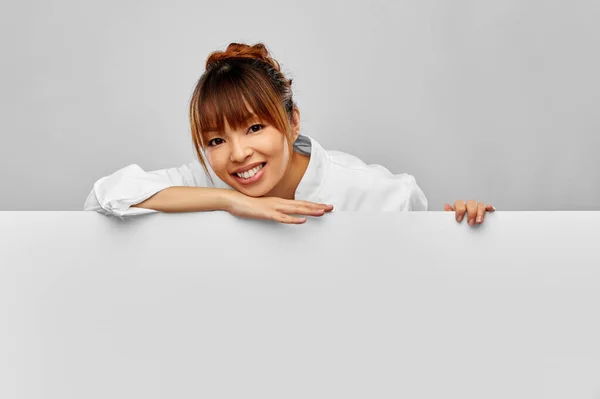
252, 128
210, 142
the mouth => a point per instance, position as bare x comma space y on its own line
251, 179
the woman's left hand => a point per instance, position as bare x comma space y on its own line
475, 211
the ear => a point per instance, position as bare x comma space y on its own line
296, 123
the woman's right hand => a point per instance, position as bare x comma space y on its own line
273, 208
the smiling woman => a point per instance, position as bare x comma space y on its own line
246, 102
255, 159
252, 159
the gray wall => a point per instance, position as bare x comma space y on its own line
494, 101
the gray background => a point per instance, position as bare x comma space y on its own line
494, 101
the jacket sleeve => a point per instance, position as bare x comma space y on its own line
114, 194
417, 200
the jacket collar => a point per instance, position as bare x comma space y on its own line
317, 169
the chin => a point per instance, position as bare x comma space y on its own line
251, 192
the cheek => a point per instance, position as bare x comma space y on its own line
282, 158
286, 153
217, 163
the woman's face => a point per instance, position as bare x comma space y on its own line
255, 144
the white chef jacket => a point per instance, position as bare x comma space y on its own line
332, 177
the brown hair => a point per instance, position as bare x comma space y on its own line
240, 75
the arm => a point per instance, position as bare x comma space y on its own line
188, 199
117, 193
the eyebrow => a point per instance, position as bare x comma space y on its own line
252, 117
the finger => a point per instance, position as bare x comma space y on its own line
480, 212
303, 210
327, 207
490, 208
291, 206
460, 208
471, 211
287, 219
448, 208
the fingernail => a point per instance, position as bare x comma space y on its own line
471, 222
460, 218
479, 219
493, 207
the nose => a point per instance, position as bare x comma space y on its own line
239, 151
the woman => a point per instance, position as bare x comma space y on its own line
245, 123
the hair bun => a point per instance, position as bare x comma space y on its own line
240, 50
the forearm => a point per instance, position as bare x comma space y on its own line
188, 199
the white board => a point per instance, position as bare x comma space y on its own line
351, 305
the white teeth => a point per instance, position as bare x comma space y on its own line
248, 174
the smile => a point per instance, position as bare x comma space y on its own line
250, 176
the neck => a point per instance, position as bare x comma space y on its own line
286, 188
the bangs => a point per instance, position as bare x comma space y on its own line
238, 95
